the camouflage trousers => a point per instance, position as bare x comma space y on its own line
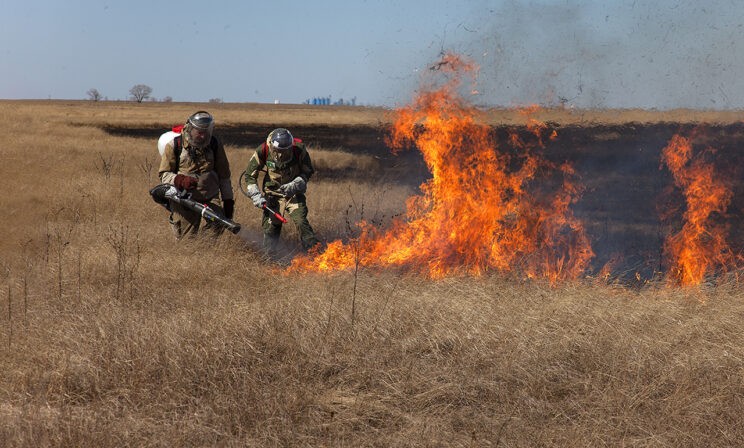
186, 222
296, 208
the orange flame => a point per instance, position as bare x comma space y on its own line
476, 213
700, 248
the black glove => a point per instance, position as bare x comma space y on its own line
183, 182
228, 205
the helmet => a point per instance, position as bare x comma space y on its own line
202, 120
280, 139
199, 128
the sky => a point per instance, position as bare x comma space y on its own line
651, 54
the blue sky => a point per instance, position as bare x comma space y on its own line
625, 53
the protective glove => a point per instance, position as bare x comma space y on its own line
298, 185
259, 201
228, 205
255, 194
183, 182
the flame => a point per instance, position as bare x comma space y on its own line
480, 210
700, 247
606, 271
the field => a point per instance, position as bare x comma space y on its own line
114, 335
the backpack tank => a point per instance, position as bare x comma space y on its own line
164, 139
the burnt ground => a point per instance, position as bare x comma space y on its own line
625, 190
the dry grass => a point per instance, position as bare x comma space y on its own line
338, 159
112, 335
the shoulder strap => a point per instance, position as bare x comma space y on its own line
296, 149
177, 150
214, 146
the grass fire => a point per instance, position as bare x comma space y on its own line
701, 247
477, 211
513, 277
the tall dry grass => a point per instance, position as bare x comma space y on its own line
113, 335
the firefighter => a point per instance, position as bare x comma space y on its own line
287, 167
195, 161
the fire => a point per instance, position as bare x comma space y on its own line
481, 210
700, 247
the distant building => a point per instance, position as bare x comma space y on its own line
326, 101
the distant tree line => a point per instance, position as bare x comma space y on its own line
138, 93
143, 92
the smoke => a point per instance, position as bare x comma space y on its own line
287, 247
630, 54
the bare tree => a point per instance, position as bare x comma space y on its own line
167, 99
94, 95
140, 92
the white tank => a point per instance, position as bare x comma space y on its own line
165, 139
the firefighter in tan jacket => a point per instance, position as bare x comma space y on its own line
287, 168
196, 161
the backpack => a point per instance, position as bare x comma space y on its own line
168, 137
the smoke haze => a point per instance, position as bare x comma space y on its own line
625, 54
